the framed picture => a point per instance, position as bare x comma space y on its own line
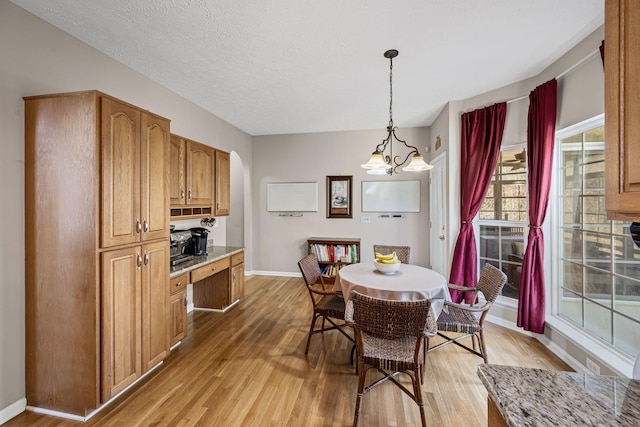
339, 196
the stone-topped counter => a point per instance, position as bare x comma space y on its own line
215, 253
539, 397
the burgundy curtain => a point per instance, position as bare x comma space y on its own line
541, 130
481, 138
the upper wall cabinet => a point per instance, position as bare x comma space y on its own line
199, 179
622, 103
223, 185
135, 157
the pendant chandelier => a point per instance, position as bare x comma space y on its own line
382, 160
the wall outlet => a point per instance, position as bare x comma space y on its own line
593, 366
365, 220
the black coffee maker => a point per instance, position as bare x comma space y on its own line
199, 240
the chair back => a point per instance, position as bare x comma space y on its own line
403, 252
388, 319
491, 282
310, 270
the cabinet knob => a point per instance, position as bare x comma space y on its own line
213, 269
441, 237
178, 284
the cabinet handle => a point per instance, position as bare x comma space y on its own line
139, 260
138, 226
181, 194
213, 269
178, 284
218, 205
189, 194
146, 258
146, 225
185, 300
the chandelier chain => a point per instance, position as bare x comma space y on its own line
391, 92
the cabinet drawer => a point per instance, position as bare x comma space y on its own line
237, 258
209, 270
179, 283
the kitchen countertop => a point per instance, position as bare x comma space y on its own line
215, 253
539, 397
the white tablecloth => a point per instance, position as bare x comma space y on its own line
410, 282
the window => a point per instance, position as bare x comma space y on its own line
599, 266
503, 218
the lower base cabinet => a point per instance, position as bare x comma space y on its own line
178, 308
134, 313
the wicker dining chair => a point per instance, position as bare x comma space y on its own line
403, 252
389, 338
327, 304
468, 319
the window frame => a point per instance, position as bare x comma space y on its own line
478, 222
599, 348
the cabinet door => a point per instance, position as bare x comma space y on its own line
154, 179
622, 85
177, 161
237, 282
121, 319
178, 316
155, 303
120, 139
200, 174
223, 183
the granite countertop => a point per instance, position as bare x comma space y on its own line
214, 253
539, 397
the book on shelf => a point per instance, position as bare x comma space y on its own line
334, 253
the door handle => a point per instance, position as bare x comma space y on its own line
441, 237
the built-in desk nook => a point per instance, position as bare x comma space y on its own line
217, 278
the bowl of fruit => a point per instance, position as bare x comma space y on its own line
386, 264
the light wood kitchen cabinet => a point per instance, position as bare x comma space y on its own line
134, 313
135, 161
622, 85
223, 183
178, 308
177, 163
79, 297
236, 286
192, 168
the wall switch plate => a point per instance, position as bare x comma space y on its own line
593, 366
365, 220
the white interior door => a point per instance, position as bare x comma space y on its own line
437, 215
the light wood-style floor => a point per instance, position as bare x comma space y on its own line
247, 367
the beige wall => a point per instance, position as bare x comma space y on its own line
36, 58
281, 241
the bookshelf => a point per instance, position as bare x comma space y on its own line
333, 253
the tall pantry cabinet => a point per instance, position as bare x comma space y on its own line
97, 248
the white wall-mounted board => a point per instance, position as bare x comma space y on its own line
292, 197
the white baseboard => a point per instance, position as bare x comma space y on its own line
276, 273
13, 410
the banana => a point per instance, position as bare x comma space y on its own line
380, 257
387, 259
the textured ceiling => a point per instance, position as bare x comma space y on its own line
293, 66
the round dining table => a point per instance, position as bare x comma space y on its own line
410, 282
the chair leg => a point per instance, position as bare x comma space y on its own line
417, 391
313, 324
362, 374
483, 348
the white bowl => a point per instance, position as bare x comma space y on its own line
386, 268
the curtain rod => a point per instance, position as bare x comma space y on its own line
562, 74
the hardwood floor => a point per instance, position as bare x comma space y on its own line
247, 367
